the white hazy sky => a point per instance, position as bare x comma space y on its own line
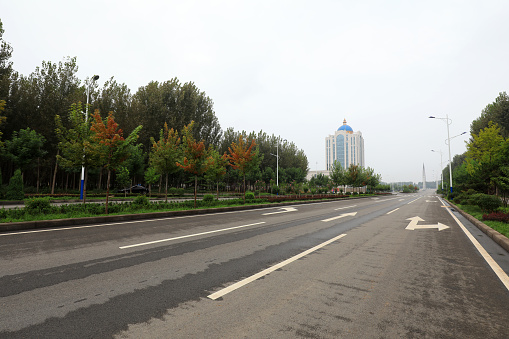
294, 68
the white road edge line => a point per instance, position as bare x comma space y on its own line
393, 211
252, 278
189, 235
493, 264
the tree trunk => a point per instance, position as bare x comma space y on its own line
100, 178
217, 188
195, 189
244, 189
166, 188
55, 174
38, 171
107, 190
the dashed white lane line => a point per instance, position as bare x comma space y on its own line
252, 278
341, 216
413, 201
493, 264
342, 208
189, 235
393, 211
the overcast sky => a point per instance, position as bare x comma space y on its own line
294, 68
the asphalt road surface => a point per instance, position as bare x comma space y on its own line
402, 266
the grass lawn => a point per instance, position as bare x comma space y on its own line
475, 211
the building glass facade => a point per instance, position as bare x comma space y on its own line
345, 146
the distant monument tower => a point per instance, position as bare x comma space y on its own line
423, 177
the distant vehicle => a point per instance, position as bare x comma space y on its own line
134, 189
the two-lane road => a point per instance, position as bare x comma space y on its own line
374, 267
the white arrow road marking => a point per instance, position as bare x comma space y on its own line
341, 216
413, 225
252, 278
286, 209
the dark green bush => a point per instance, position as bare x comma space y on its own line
141, 200
38, 205
208, 197
488, 203
250, 195
15, 189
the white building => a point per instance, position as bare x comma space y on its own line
344, 146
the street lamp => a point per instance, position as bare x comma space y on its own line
446, 140
277, 161
448, 122
441, 168
88, 83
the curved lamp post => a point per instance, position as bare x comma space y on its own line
441, 168
448, 122
88, 85
277, 161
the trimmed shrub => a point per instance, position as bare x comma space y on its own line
38, 205
15, 188
497, 216
208, 197
250, 196
141, 200
487, 203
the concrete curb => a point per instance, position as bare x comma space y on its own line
27, 225
500, 239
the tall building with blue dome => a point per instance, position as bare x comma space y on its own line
345, 146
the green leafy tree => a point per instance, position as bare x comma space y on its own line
217, 168
165, 153
496, 112
123, 178
337, 174
484, 154
75, 143
5, 65
15, 188
109, 144
196, 159
24, 148
151, 177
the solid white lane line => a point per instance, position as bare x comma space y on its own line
342, 208
393, 211
493, 264
189, 235
246, 281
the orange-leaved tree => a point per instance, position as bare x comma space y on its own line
165, 153
109, 144
241, 156
196, 157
